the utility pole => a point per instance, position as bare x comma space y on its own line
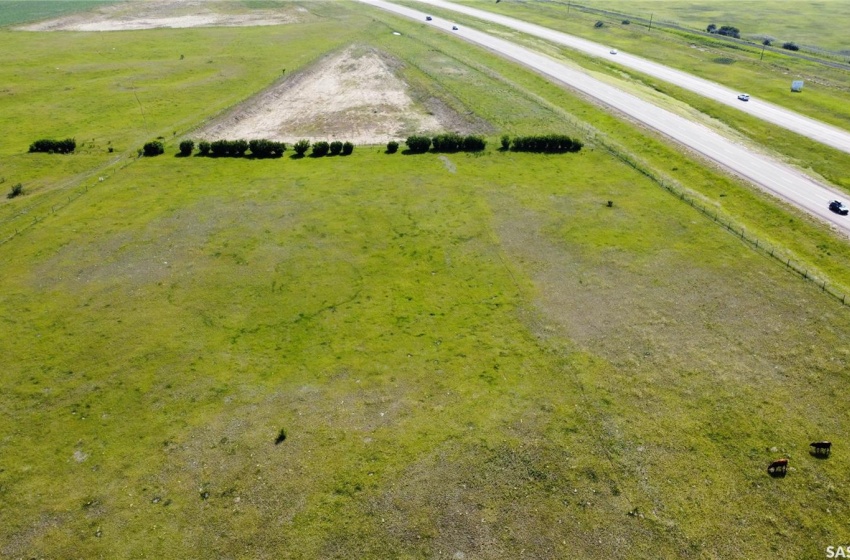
568, 6
762, 51
650, 21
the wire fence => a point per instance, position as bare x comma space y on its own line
58, 204
730, 225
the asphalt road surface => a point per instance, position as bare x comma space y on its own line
771, 175
811, 128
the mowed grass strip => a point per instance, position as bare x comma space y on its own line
484, 361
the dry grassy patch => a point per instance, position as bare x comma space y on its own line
166, 13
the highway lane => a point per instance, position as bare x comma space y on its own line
795, 122
776, 177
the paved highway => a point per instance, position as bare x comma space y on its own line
780, 179
816, 130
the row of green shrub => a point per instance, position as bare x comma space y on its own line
545, 144
322, 148
445, 143
48, 146
258, 148
448, 143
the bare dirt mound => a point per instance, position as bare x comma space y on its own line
153, 14
353, 95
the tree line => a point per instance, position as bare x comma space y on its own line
259, 148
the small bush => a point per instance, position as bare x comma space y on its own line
153, 148
219, 148
547, 144
418, 144
229, 148
447, 143
320, 149
598, 24
729, 31
186, 147
281, 437
474, 144
506, 142
266, 148
766, 42
392, 147
626, 22
48, 146
336, 148
17, 190
790, 46
239, 147
347, 148
204, 147
301, 147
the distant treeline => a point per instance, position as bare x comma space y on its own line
47, 146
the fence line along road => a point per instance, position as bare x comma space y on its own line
795, 122
767, 173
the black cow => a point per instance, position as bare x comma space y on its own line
822, 447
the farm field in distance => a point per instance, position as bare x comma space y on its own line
809, 23
23, 11
393, 355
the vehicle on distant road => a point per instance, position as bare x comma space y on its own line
613, 51
744, 97
838, 207
427, 18
454, 27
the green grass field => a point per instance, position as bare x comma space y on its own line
471, 356
13, 12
